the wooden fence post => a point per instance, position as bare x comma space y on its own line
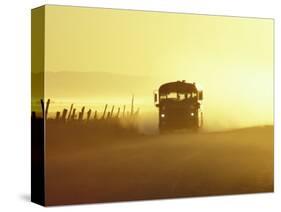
108, 115
64, 113
132, 106
58, 115
47, 108
81, 114
89, 114
43, 108
104, 112
45, 112
70, 111
73, 114
96, 115
112, 110
124, 111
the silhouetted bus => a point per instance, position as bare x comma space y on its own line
179, 106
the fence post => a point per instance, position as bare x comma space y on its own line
124, 111
96, 115
42, 107
81, 114
73, 114
89, 114
132, 106
104, 112
45, 112
64, 112
47, 108
111, 113
70, 111
108, 115
58, 115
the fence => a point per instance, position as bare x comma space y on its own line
112, 117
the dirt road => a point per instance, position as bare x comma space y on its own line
161, 166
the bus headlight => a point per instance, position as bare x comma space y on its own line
162, 115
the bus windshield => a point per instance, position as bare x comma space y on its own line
178, 96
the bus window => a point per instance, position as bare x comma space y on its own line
163, 97
181, 96
188, 95
172, 95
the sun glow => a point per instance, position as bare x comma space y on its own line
229, 58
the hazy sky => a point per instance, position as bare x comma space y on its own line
230, 57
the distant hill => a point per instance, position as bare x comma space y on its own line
95, 84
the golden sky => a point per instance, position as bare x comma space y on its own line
230, 57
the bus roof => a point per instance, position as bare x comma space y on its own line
178, 86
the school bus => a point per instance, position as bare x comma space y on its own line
179, 106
